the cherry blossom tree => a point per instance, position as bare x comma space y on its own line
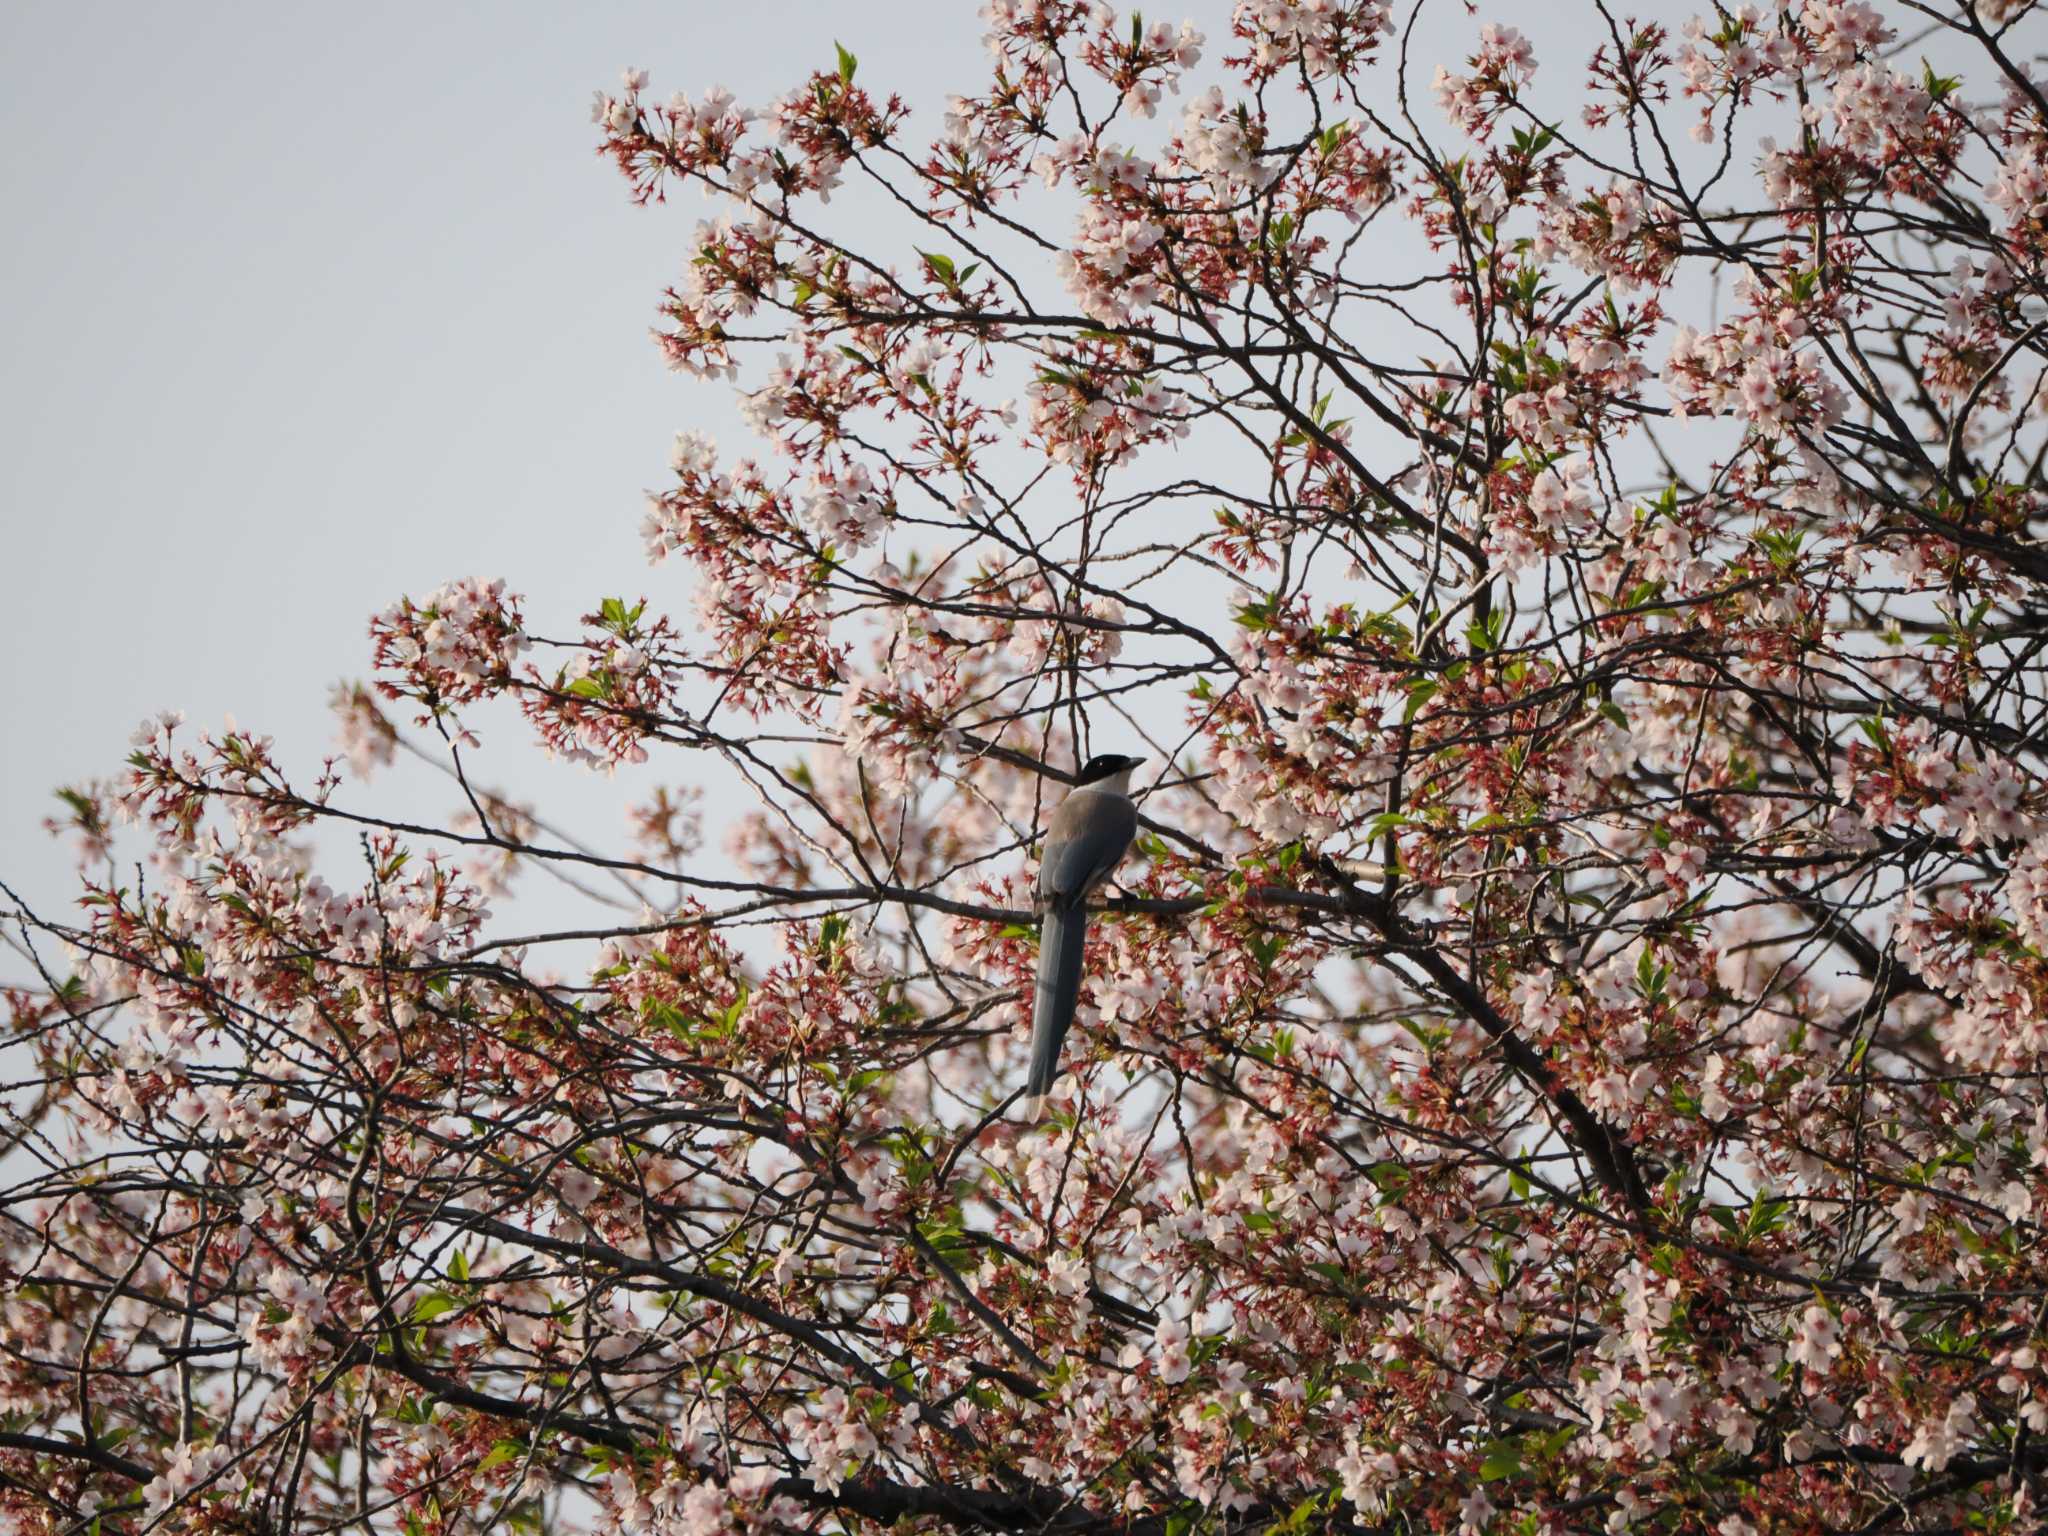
1568, 1052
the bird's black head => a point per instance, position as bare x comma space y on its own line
1106, 765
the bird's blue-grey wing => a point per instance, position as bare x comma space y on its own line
1088, 838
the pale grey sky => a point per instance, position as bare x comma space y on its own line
309, 306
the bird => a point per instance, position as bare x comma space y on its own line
1090, 833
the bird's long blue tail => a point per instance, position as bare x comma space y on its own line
1061, 947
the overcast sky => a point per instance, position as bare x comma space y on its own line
306, 307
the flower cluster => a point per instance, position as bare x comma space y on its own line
1505, 62
456, 647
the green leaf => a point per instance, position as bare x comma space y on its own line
1297, 1520
1940, 87
1650, 976
502, 1452
1766, 1216
847, 64
1258, 614
436, 1304
1486, 634
1503, 1458
1781, 547
730, 1018
413, 1411
903, 1374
